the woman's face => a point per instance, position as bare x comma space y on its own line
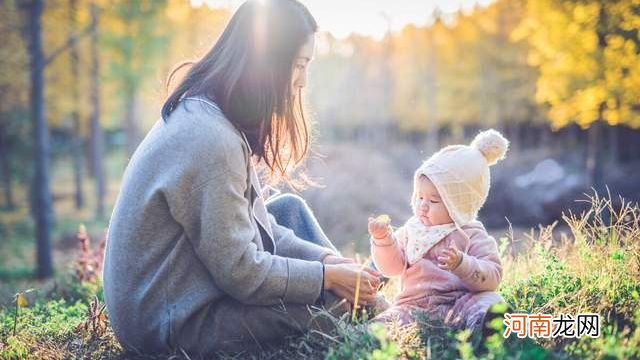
301, 65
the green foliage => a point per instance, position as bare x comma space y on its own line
538, 290
46, 321
57, 325
135, 37
613, 344
360, 342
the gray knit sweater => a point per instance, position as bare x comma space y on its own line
184, 234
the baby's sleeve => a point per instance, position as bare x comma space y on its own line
389, 257
481, 268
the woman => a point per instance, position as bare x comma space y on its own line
194, 258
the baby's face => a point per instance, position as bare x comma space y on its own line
429, 207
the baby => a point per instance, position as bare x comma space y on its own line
449, 266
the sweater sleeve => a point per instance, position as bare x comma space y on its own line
389, 257
290, 245
481, 268
217, 221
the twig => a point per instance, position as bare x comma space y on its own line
71, 40
15, 318
357, 294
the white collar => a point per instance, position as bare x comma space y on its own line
421, 238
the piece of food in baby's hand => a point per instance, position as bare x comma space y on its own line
384, 218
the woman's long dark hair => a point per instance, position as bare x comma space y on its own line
248, 73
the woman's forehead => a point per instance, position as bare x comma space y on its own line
307, 50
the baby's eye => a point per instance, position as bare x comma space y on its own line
433, 201
420, 198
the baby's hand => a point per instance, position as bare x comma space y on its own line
449, 258
380, 227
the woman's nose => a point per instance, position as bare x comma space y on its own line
301, 81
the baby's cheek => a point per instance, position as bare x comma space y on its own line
442, 212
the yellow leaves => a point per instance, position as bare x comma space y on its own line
178, 11
612, 117
21, 300
581, 107
463, 71
561, 115
13, 58
82, 230
577, 76
588, 101
526, 27
384, 218
585, 13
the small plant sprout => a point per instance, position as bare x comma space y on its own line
21, 301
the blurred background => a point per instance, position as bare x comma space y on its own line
82, 81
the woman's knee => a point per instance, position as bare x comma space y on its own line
289, 202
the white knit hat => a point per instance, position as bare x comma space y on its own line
461, 174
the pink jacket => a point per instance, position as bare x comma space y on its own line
425, 285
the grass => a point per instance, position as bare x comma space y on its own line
593, 267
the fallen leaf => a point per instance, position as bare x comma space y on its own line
384, 218
21, 300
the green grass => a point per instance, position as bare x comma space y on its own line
594, 268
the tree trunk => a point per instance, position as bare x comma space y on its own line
573, 137
433, 139
595, 159
614, 152
5, 167
514, 138
594, 156
97, 141
41, 207
131, 122
457, 133
545, 136
77, 147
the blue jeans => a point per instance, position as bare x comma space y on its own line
292, 211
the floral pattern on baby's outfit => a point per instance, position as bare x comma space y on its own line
421, 238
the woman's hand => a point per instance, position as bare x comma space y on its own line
342, 279
450, 258
333, 259
379, 228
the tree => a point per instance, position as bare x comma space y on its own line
78, 139
135, 38
507, 82
97, 136
41, 199
13, 96
41, 206
587, 55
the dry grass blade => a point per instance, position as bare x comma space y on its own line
357, 294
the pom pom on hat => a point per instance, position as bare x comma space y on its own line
492, 145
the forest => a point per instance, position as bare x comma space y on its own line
82, 81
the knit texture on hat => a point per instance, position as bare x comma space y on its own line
461, 174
